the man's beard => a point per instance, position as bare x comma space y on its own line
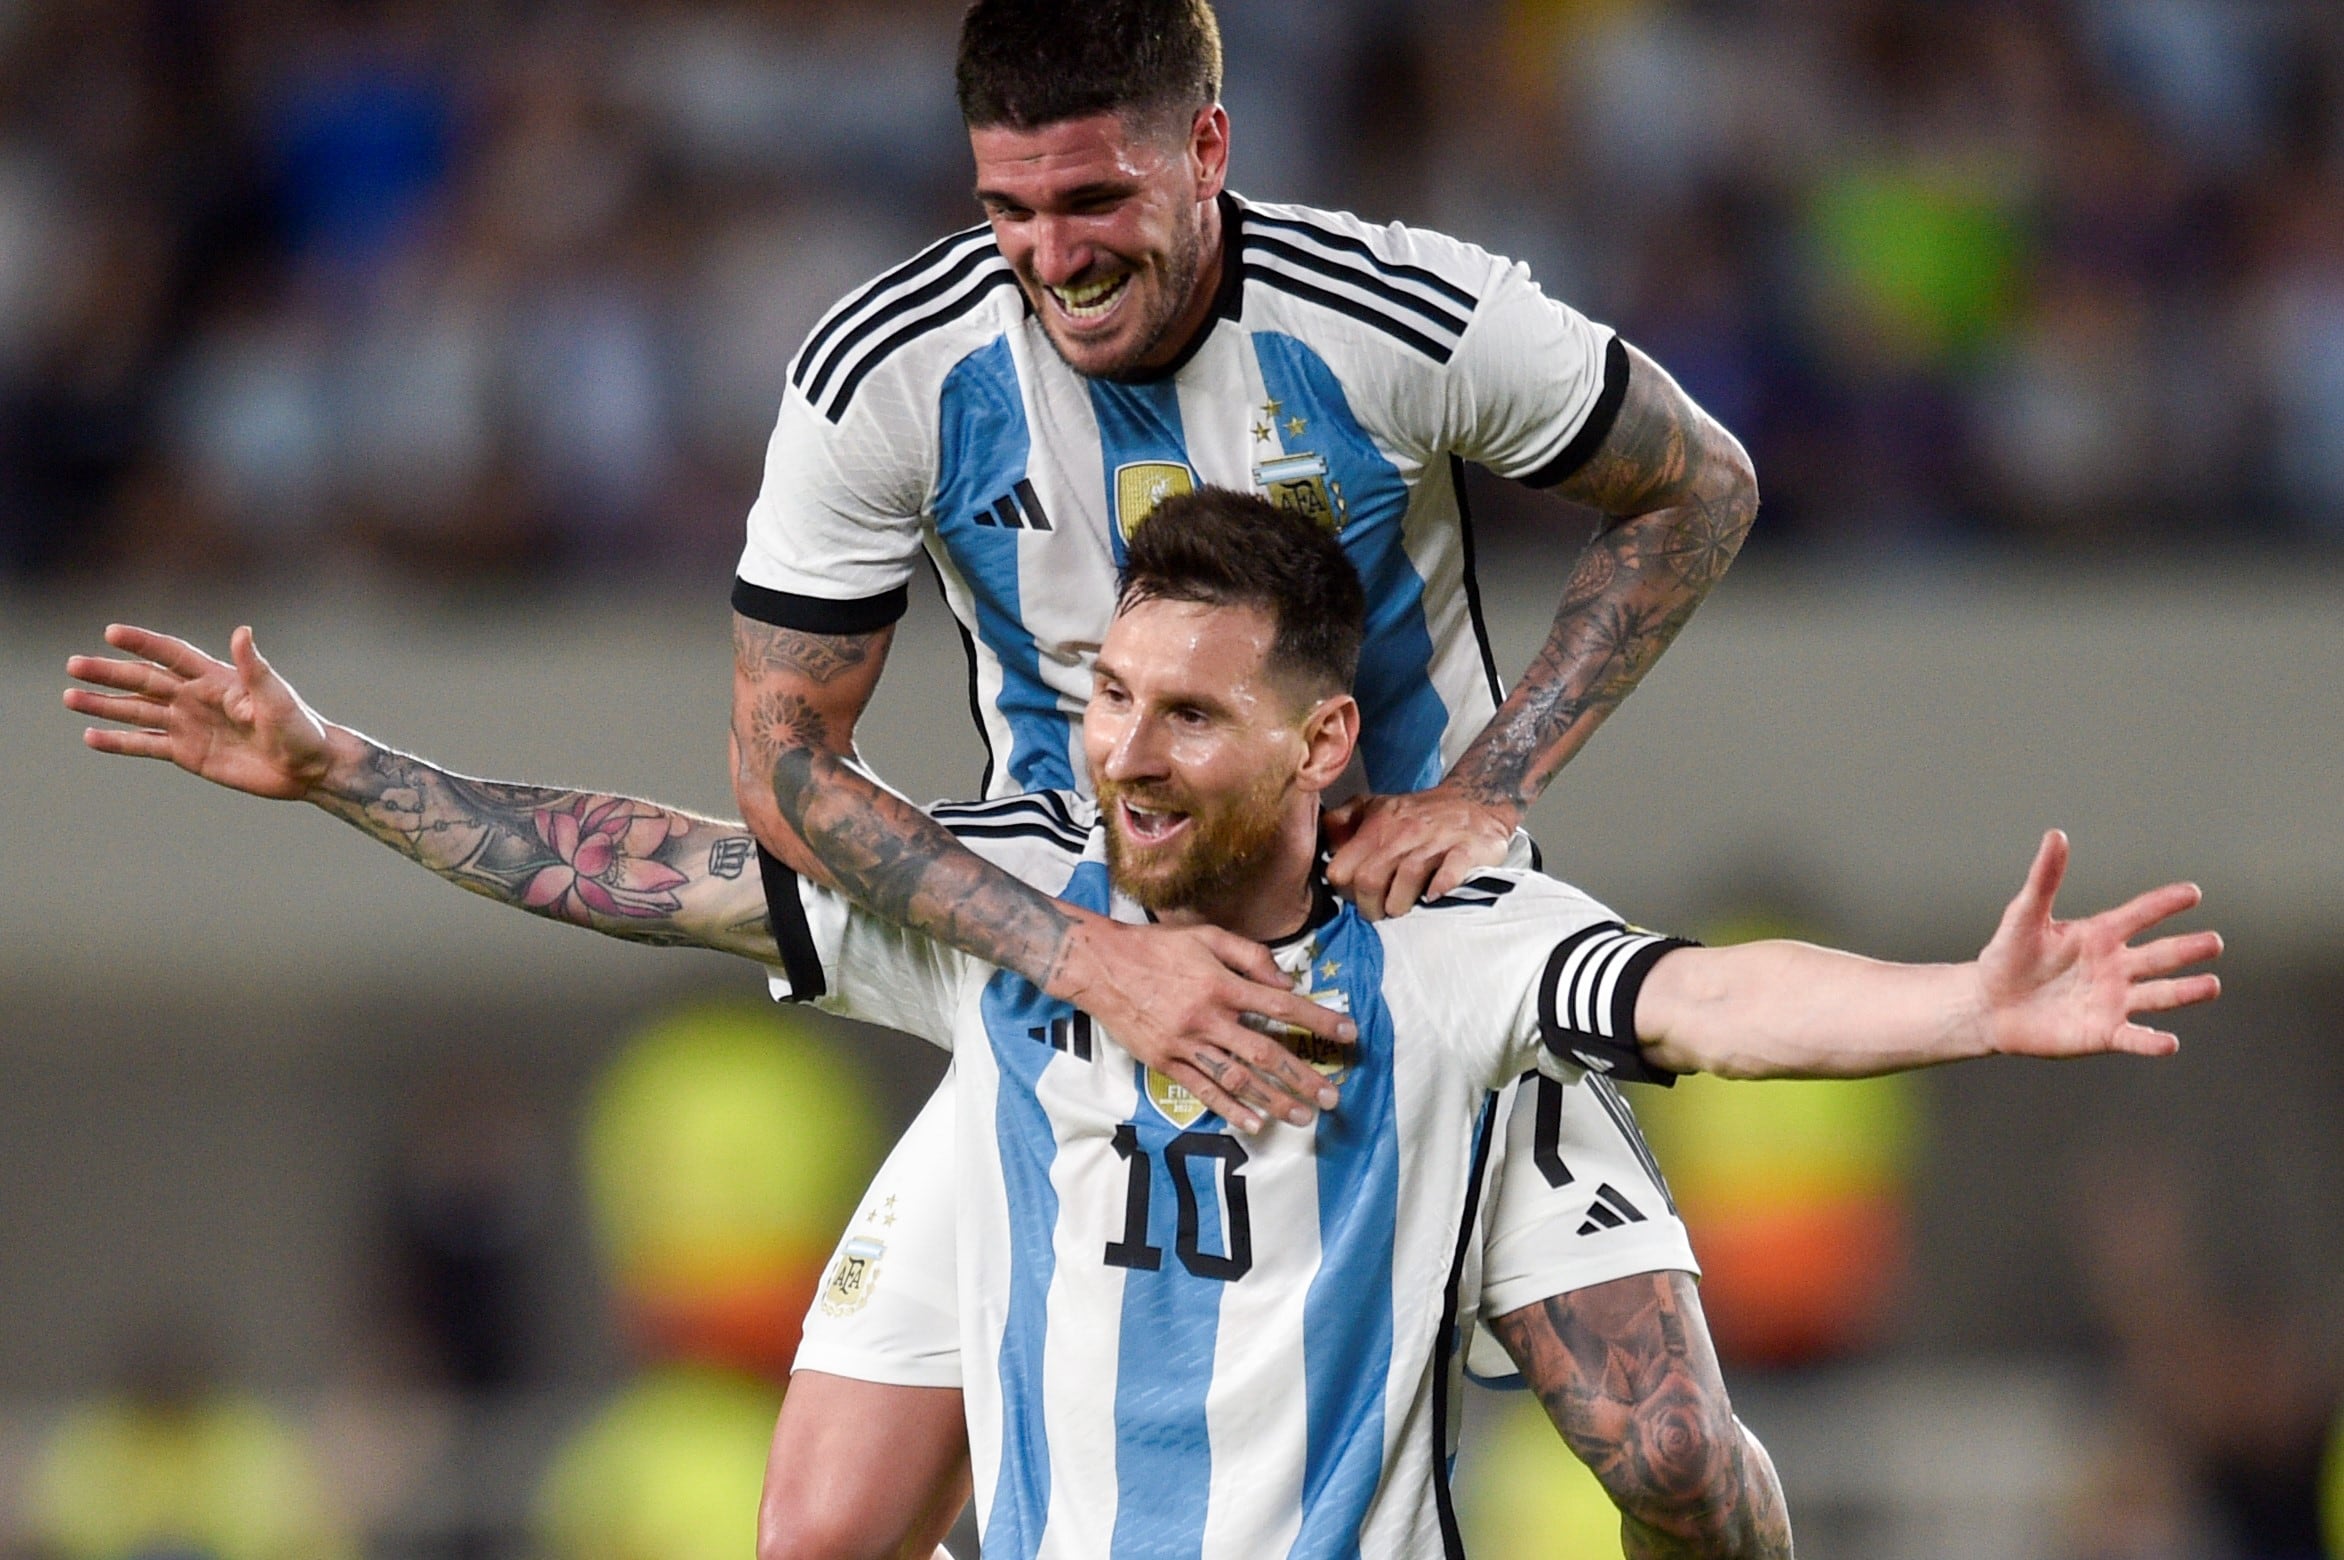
1183, 262
1218, 854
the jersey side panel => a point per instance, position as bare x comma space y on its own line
984, 443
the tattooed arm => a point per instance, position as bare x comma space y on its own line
1629, 1377
1678, 496
627, 868
1173, 997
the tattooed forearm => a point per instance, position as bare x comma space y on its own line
903, 866
1627, 1374
1681, 497
797, 697
624, 867
819, 658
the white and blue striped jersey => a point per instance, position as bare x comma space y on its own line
1348, 369
1179, 1341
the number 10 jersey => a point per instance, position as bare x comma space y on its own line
1179, 1340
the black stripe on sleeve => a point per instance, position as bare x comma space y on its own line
1334, 239
819, 614
818, 376
786, 914
1616, 1054
943, 314
855, 306
1365, 279
1598, 425
1439, 352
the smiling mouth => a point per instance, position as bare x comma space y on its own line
1087, 301
1150, 826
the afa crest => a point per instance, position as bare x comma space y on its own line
853, 1277
1143, 484
1299, 482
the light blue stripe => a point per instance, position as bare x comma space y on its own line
1347, 1317
1136, 423
1164, 1365
984, 449
1012, 1008
1402, 716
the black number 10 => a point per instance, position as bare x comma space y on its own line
1133, 1250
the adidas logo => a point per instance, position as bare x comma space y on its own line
1016, 510
1071, 1034
1609, 1211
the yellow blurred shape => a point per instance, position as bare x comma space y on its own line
221, 1477
1523, 1496
670, 1470
724, 1139
2332, 1492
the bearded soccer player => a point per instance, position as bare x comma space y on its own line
1014, 400
1179, 1337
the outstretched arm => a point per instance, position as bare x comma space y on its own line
1176, 998
1628, 1375
1678, 495
623, 867
2041, 988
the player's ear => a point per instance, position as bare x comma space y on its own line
1329, 733
1208, 151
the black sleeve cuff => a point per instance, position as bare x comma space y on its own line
1598, 425
786, 914
819, 614
1587, 1001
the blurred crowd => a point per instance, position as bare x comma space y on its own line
429, 287
309, 288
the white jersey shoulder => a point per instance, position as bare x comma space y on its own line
898, 328
1450, 349
1547, 961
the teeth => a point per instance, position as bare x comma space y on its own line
1149, 822
1090, 299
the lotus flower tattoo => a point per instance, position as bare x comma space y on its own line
606, 865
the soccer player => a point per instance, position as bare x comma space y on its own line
1014, 400
1178, 1336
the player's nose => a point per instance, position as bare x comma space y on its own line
1059, 255
1135, 752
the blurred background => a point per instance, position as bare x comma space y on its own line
341, 1214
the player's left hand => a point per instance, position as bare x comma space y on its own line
2071, 988
1392, 851
235, 723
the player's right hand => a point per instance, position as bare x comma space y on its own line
1184, 1000
235, 724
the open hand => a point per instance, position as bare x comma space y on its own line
2071, 988
1392, 851
235, 724
1193, 1003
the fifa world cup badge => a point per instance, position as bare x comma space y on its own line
1143, 484
1178, 1106
854, 1276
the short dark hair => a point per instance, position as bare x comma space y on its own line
1224, 548
1029, 63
